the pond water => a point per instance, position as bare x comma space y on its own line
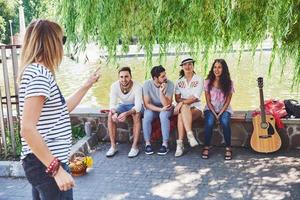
243, 73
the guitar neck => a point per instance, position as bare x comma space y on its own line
262, 105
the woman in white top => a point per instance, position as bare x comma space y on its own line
188, 91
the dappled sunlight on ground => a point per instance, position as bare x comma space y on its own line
249, 176
184, 186
117, 196
255, 178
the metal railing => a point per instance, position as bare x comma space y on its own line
9, 100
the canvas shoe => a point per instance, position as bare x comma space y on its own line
179, 148
149, 150
163, 150
133, 153
111, 152
191, 138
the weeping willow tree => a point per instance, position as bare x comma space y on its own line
199, 25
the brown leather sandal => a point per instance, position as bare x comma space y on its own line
205, 153
228, 154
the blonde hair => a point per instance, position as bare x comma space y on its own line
43, 43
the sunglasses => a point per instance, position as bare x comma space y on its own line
64, 39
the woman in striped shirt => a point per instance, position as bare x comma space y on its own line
45, 122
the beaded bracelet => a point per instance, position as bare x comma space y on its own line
52, 169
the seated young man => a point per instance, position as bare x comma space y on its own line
157, 96
125, 101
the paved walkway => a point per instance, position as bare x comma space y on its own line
247, 176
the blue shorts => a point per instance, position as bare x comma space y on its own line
126, 107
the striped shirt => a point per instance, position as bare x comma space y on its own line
54, 122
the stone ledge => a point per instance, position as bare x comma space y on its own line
11, 169
238, 116
85, 144
241, 126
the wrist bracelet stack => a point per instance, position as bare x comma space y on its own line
53, 168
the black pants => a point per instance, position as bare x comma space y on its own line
44, 187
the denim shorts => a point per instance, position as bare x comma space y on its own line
44, 186
124, 108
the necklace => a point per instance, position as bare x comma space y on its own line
127, 88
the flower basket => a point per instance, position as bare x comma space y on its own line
79, 163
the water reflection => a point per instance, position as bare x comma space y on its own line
244, 74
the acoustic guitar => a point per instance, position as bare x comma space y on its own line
265, 138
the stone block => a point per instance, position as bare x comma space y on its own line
295, 141
122, 125
239, 135
16, 169
4, 168
122, 135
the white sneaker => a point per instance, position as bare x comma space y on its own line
111, 152
179, 148
191, 138
133, 153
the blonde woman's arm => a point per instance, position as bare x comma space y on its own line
75, 98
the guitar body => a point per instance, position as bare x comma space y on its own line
265, 139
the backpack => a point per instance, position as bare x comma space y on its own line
292, 107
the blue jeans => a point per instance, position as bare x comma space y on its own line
149, 116
44, 187
209, 125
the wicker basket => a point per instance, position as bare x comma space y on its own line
77, 166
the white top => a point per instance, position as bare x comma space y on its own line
193, 88
54, 122
134, 96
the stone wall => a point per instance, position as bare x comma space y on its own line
241, 125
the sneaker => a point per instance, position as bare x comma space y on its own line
191, 138
149, 150
133, 153
111, 152
179, 148
163, 150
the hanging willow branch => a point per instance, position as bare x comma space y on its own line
200, 25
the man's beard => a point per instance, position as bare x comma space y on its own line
126, 84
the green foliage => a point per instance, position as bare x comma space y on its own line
18, 144
2, 28
6, 13
36, 9
78, 131
200, 25
33, 9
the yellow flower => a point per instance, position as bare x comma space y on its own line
88, 161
